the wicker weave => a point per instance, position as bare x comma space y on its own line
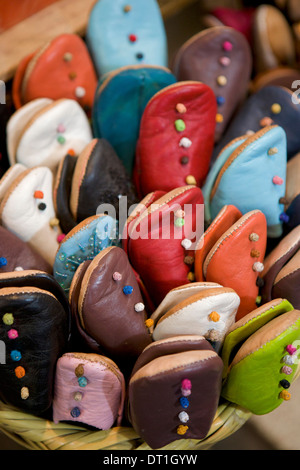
35, 433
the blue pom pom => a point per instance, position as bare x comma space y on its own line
127, 290
220, 100
82, 381
184, 402
75, 412
284, 218
3, 262
15, 355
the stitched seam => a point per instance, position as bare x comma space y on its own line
252, 319
168, 371
289, 274
151, 210
262, 346
176, 341
240, 223
236, 154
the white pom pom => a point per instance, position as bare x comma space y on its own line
183, 416
185, 142
80, 92
139, 307
186, 244
289, 359
258, 267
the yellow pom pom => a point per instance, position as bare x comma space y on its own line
191, 180
8, 319
222, 80
285, 395
219, 118
24, 393
54, 222
181, 430
149, 322
191, 276
276, 108
214, 316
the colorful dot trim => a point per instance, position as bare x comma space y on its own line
132, 38
117, 276
266, 121
61, 140
184, 402
79, 371
285, 395
289, 360
180, 108
291, 349
3, 262
276, 108
127, 290
82, 381
186, 384
214, 316
8, 319
227, 46
183, 417
75, 412
12, 334
16, 355
78, 396
20, 372
180, 125
191, 180
181, 430
186, 388
225, 61
287, 370
139, 307
222, 80
24, 393
149, 322
179, 222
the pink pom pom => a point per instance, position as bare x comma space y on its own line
225, 61
186, 384
61, 128
117, 276
287, 370
185, 393
227, 46
291, 349
277, 180
12, 334
60, 237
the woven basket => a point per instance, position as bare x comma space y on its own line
34, 433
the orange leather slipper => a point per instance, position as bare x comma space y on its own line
226, 217
62, 68
237, 257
